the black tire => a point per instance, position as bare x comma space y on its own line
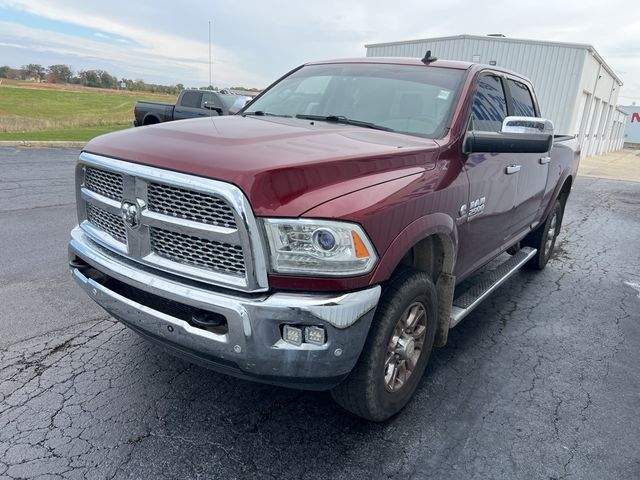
544, 239
366, 392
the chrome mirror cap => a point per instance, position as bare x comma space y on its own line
527, 125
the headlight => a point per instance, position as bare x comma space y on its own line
318, 247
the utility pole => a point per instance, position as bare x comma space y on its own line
209, 52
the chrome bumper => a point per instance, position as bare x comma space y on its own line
252, 346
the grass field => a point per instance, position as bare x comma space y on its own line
76, 134
52, 112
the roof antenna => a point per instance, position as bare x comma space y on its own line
428, 58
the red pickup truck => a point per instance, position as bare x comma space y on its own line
331, 233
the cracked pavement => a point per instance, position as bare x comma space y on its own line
541, 381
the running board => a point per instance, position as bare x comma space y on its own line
485, 283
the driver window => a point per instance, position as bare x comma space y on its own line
489, 105
210, 99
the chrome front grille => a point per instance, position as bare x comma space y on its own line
196, 206
197, 251
186, 225
107, 222
104, 182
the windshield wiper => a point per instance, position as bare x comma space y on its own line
344, 120
261, 113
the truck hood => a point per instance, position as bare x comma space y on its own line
284, 166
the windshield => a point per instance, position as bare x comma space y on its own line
403, 98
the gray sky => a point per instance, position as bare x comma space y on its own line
256, 41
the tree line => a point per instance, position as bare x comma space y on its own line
89, 78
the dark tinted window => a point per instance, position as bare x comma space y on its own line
211, 99
522, 101
489, 105
191, 99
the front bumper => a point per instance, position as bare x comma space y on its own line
154, 304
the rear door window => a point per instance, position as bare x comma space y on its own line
489, 105
522, 100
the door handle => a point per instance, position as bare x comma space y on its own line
545, 160
511, 169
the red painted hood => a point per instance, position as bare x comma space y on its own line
284, 166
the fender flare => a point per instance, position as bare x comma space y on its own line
439, 224
435, 224
150, 115
557, 191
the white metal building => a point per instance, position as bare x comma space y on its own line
576, 88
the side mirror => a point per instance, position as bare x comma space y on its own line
210, 106
518, 135
239, 104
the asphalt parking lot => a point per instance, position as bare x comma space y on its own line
540, 382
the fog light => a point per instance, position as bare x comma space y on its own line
315, 335
292, 335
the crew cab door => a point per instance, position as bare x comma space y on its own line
492, 189
212, 104
532, 169
190, 106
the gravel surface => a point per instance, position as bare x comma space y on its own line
541, 381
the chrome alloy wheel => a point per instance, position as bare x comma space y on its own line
405, 347
551, 234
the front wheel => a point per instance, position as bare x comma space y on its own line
396, 351
544, 238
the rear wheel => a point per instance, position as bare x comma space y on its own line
151, 120
544, 238
396, 351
